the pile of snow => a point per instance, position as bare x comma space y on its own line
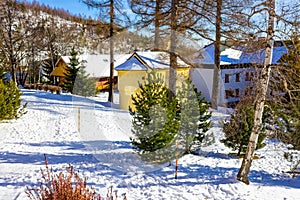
99, 148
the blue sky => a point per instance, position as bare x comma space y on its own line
73, 6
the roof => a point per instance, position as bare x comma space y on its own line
238, 55
95, 65
148, 60
58, 71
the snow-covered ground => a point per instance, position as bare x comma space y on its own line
101, 151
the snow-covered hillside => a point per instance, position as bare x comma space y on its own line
101, 151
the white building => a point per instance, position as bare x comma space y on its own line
237, 70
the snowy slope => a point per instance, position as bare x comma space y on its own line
101, 151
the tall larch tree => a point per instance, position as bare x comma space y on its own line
151, 13
112, 8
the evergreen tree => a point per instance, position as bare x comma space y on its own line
10, 101
238, 129
48, 66
154, 116
194, 118
159, 121
284, 112
83, 85
71, 72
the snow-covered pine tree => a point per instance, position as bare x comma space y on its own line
194, 118
71, 71
238, 129
154, 116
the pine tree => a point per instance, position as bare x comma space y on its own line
238, 129
48, 66
83, 85
10, 101
158, 122
154, 119
194, 117
71, 72
154, 123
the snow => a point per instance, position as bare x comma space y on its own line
98, 65
101, 151
237, 56
154, 60
232, 54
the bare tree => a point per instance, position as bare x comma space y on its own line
110, 7
260, 97
173, 57
265, 74
217, 44
13, 35
149, 13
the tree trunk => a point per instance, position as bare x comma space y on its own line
260, 98
111, 52
216, 77
173, 57
157, 24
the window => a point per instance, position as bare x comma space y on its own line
227, 78
237, 77
232, 93
249, 76
237, 92
229, 93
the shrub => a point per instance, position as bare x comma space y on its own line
10, 101
285, 122
52, 88
238, 129
40, 87
65, 186
58, 90
62, 186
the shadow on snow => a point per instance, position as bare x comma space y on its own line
116, 158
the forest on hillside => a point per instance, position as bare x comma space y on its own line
35, 35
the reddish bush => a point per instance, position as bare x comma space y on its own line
40, 87
45, 87
62, 186
27, 86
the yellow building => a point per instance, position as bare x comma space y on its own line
134, 71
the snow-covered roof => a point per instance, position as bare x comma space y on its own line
148, 59
237, 55
98, 65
